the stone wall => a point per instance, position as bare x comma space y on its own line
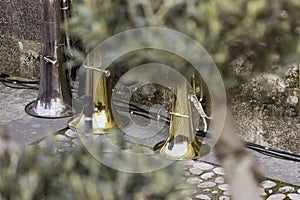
20, 37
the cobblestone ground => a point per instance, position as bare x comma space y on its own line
203, 180
210, 181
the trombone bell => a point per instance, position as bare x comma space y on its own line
181, 143
97, 117
54, 99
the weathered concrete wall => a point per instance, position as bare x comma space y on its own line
20, 37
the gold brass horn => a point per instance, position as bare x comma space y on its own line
181, 142
97, 115
54, 99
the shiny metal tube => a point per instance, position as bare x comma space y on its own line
54, 99
97, 114
181, 142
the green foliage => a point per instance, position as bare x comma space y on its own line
227, 29
43, 173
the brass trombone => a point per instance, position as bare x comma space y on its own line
182, 142
97, 115
54, 99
